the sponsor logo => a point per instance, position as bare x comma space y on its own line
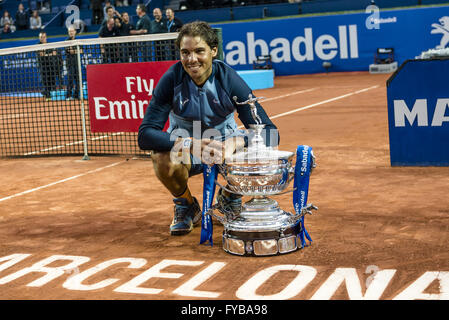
305, 154
442, 28
418, 114
303, 196
302, 48
120, 105
125, 109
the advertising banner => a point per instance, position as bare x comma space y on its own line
418, 114
119, 93
347, 41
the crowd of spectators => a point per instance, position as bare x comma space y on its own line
26, 19
119, 24
22, 20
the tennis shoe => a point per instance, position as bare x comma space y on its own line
186, 216
230, 206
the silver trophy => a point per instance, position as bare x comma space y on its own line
261, 228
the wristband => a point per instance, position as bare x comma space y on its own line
186, 143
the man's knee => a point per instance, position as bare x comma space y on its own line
163, 164
165, 168
161, 160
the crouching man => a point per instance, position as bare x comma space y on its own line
197, 92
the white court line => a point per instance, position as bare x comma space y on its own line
71, 144
323, 102
288, 94
319, 103
59, 181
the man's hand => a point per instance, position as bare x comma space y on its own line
210, 151
215, 151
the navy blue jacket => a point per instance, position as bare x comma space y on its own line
165, 100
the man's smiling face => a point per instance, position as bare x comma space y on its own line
196, 58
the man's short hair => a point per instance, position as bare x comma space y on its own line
109, 7
142, 7
198, 29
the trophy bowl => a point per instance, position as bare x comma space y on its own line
265, 172
262, 228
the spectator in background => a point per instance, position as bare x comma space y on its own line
110, 13
158, 25
143, 26
107, 4
173, 23
125, 26
6, 18
6, 28
97, 11
110, 51
50, 66
129, 48
35, 21
22, 18
73, 88
109, 29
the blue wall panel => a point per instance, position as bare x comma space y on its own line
250, 12
329, 6
418, 115
348, 41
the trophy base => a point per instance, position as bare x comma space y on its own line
261, 229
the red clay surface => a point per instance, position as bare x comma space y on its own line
370, 214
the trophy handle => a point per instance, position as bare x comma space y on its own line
211, 213
305, 210
228, 190
223, 219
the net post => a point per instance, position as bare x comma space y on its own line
81, 93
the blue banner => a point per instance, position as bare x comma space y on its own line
347, 41
210, 174
418, 115
303, 169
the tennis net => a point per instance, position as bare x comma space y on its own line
44, 105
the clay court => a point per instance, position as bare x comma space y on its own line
373, 219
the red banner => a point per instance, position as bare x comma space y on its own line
119, 93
